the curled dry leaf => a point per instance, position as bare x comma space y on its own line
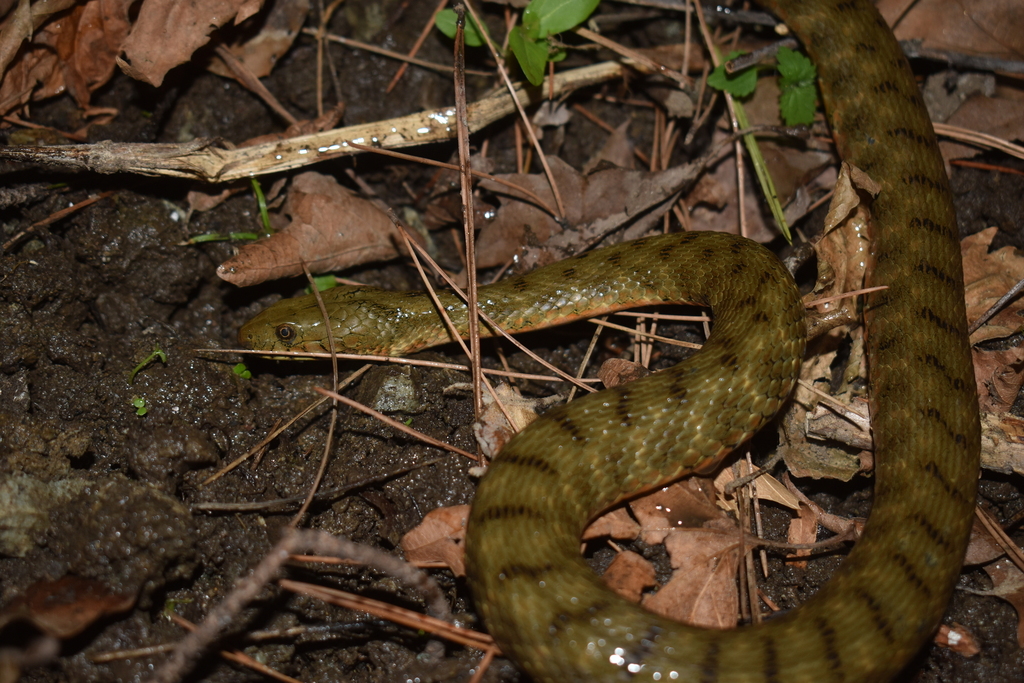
259, 53
803, 529
65, 607
167, 32
493, 431
1008, 584
957, 638
74, 52
616, 371
987, 277
331, 229
595, 205
616, 524
685, 504
439, 538
629, 575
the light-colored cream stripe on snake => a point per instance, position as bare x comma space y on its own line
545, 608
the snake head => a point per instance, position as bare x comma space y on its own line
298, 325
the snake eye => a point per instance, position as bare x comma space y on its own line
286, 333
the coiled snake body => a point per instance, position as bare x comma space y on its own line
545, 608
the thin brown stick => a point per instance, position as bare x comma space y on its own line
416, 46
466, 186
503, 71
248, 79
395, 423
237, 656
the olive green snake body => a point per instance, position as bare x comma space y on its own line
542, 604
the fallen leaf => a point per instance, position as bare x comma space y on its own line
702, 590
999, 376
990, 28
439, 538
959, 639
616, 524
167, 32
629, 575
331, 229
803, 529
685, 504
595, 205
65, 607
987, 277
1008, 584
616, 371
268, 39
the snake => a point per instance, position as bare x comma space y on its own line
539, 600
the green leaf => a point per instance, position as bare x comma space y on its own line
543, 18
141, 407
157, 354
242, 371
446, 21
797, 105
797, 86
795, 69
323, 282
532, 55
738, 84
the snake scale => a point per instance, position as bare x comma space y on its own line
542, 604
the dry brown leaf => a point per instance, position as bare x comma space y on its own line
999, 375
65, 607
439, 538
331, 229
617, 150
959, 639
629, 575
167, 33
685, 504
1008, 584
982, 548
998, 115
768, 488
721, 185
492, 430
616, 371
273, 37
802, 529
616, 524
991, 28
75, 52
987, 277
594, 206
702, 590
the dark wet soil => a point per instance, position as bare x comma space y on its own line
90, 488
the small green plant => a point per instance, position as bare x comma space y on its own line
261, 200
323, 282
530, 41
157, 354
141, 405
218, 237
798, 77
796, 82
242, 371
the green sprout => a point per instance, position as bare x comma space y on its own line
242, 371
157, 354
141, 406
